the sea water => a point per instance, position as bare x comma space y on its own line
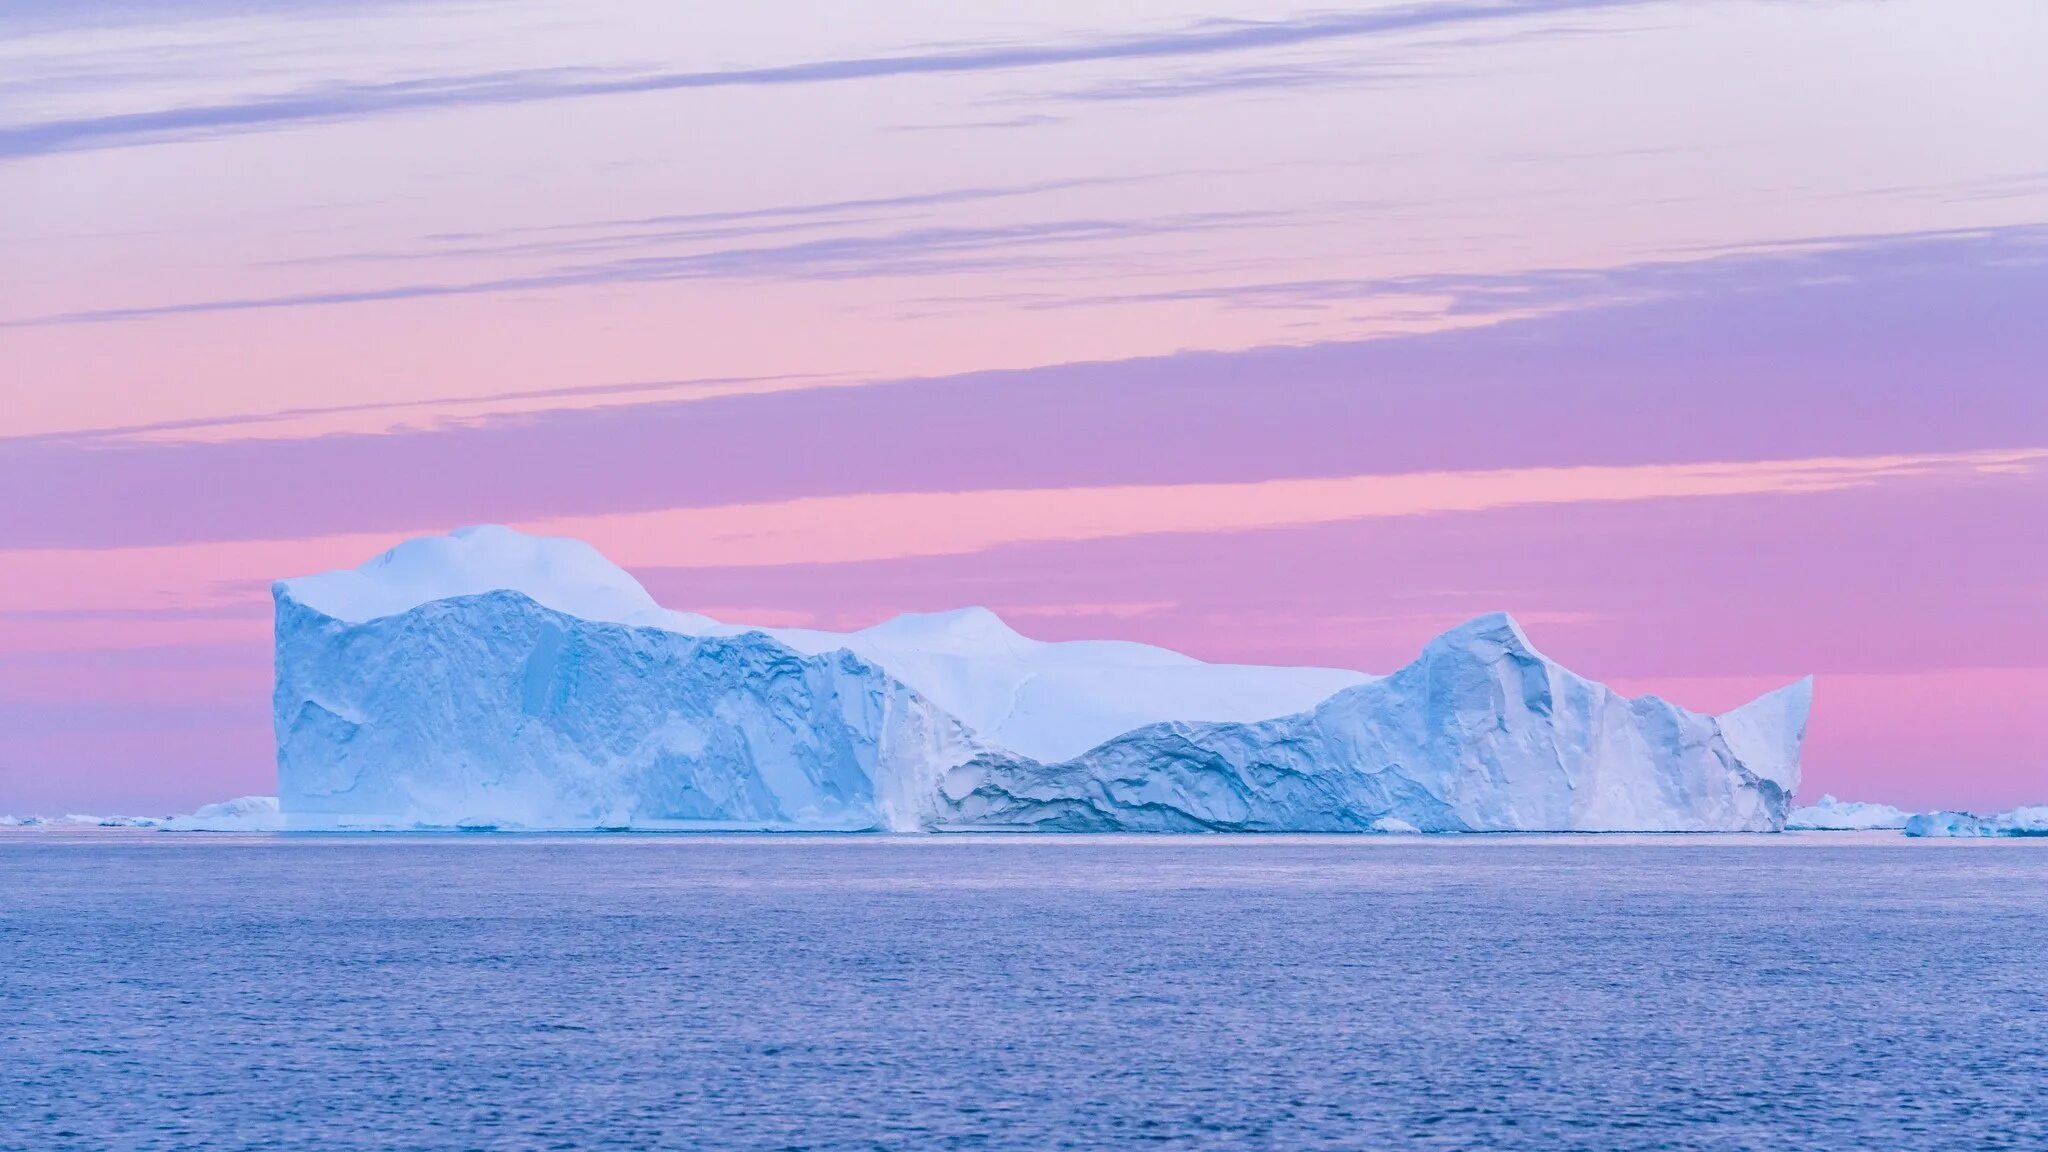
497, 991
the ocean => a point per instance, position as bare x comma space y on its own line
1809, 992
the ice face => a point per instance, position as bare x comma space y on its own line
490, 678
494, 711
1832, 815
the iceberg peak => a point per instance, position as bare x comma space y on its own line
1766, 733
1488, 637
972, 629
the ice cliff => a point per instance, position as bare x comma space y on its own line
493, 679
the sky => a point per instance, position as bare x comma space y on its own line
1710, 338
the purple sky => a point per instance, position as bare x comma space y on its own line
1269, 337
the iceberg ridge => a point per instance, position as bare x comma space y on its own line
1480, 734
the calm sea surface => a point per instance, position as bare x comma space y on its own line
188, 991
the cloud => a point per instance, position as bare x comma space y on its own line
866, 527
1767, 265
1284, 77
624, 232
338, 101
909, 252
1931, 346
446, 411
895, 525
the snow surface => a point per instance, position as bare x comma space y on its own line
1480, 734
1832, 815
556, 572
242, 814
490, 678
2031, 821
1054, 700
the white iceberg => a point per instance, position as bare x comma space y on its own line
493, 679
242, 814
2029, 821
1832, 815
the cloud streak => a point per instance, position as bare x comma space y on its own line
679, 227
876, 526
1931, 347
1774, 266
897, 525
356, 100
909, 252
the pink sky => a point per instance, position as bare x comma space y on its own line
1269, 336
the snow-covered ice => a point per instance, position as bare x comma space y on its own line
2029, 821
489, 678
1832, 815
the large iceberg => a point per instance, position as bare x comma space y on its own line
2032, 821
493, 679
1832, 815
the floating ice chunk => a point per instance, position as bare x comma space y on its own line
1832, 815
2030, 821
242, 814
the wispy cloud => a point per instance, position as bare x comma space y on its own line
1774, 266
574, 236
909, 252
1833, 355
1286, 77
350, 100
882, 526
447, 410
874, 526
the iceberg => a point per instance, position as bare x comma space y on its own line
491, 679
242, 814
2029, 821
1832, 815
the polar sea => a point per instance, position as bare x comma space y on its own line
1806, 991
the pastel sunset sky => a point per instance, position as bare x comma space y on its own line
1710, 338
